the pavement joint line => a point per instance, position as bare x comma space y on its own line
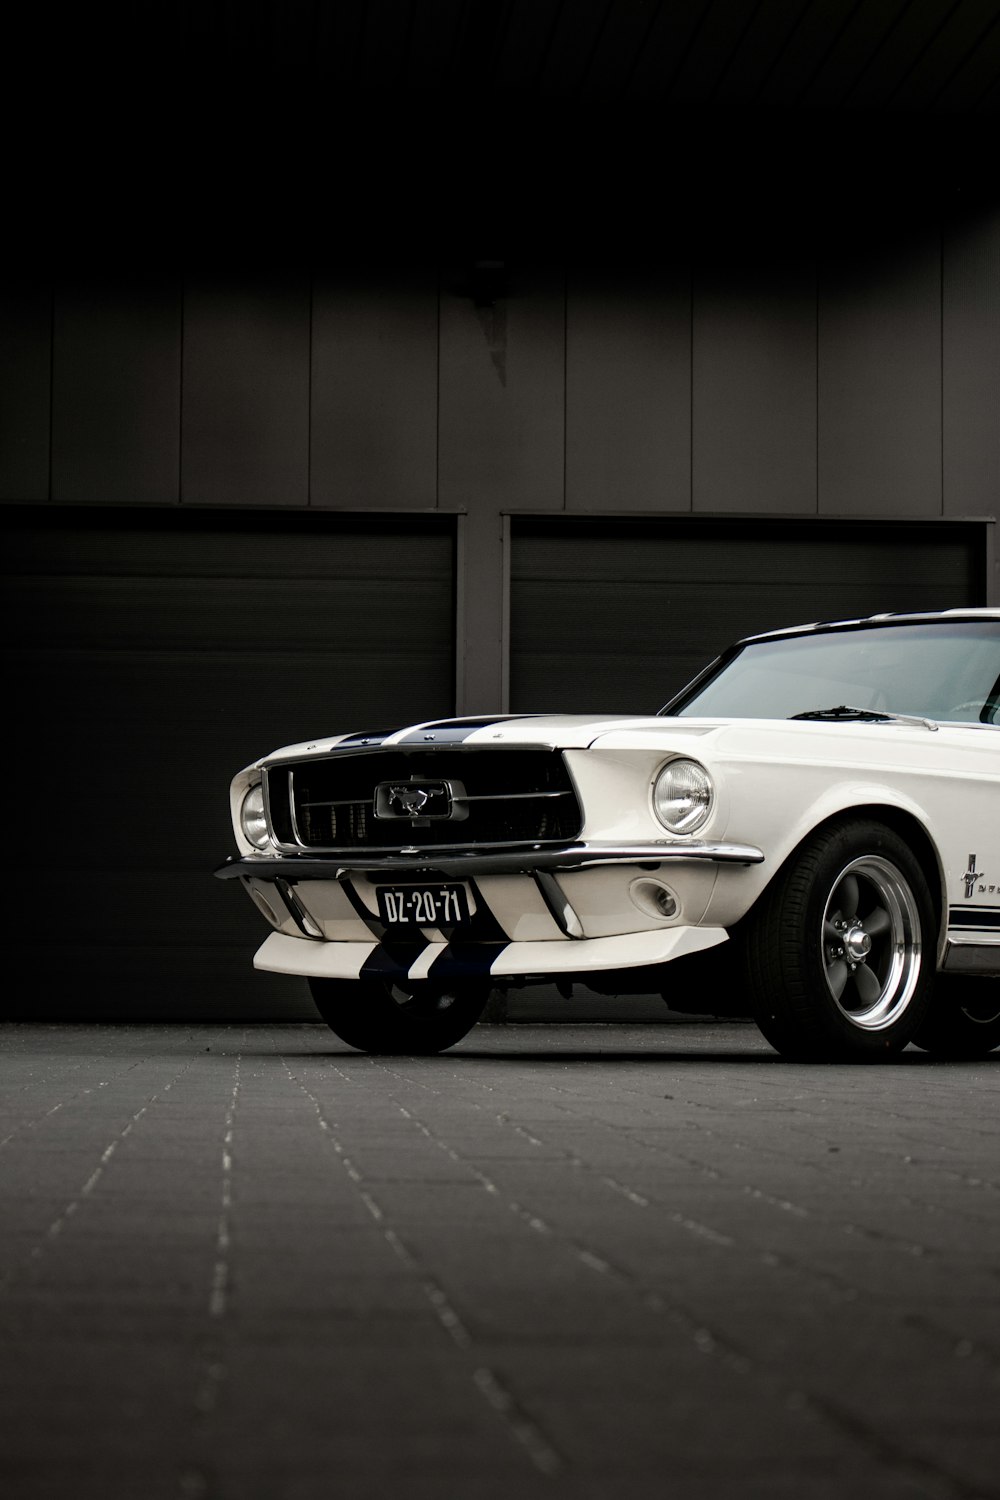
691, 1226
785, 1205
706, 1231
192, 1481
619, 1187
589, 1256
701, 1231
963, 1348
891, 1241
738, 1361
62, 1104
541, 1452
219, 1292
485, 1380
432, 1290
854, 1422
372, 1207
830, 1282
56, 1227
379, 1065
927, 1472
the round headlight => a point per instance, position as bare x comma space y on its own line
682, 796
252, 819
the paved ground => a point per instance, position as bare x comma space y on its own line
247, 1264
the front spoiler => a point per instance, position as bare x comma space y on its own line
457, 865
445, 962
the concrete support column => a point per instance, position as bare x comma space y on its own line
481, 627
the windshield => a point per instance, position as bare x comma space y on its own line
948, 671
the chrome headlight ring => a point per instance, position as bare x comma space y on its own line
253, 820
683, 796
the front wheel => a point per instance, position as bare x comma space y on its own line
377, 1015
963, 1020
839, 952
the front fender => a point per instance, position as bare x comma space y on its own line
783, 834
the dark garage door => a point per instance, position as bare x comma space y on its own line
617, 616
149, 656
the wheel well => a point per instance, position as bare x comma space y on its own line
908, 828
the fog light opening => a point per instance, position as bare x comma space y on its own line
265, 908
654, 899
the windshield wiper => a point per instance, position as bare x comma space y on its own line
844, 711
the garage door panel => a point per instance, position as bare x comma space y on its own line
616, 617
137, 697
162, 588
154, 741
154, 620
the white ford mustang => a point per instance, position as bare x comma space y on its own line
808, 834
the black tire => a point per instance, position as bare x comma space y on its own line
963, 1019
839, 951
376, 1015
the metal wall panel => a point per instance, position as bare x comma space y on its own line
971, 353
501, 417
880, 379
245, 414
616, 616
148, 656
628, 389
374, 388
754, 381
501, 442
25, 388
116, 390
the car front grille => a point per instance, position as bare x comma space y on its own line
493, 797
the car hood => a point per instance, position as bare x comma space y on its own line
613, 732
553, 731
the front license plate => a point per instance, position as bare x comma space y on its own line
422, 905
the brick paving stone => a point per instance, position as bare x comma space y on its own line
571, 1262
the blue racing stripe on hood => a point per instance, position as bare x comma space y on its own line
361, 741
454, 731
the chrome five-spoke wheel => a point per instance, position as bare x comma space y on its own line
872, 943
836, 952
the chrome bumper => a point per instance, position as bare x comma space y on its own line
457, 865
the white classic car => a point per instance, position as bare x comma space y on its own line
808, 834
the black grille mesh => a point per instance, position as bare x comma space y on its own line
334, 799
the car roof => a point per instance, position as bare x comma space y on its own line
927, 617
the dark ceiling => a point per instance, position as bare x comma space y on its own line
242, 128
899, 56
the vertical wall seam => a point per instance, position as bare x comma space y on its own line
565, 440
816, 316
941, 339
309, 386
437, 395
180, 404
52, 383
460, 543
691, 387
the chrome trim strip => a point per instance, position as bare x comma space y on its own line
457, 864
464, 797
266, 790
560, 909
291, 810
303, 921
517, 796
458, 801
